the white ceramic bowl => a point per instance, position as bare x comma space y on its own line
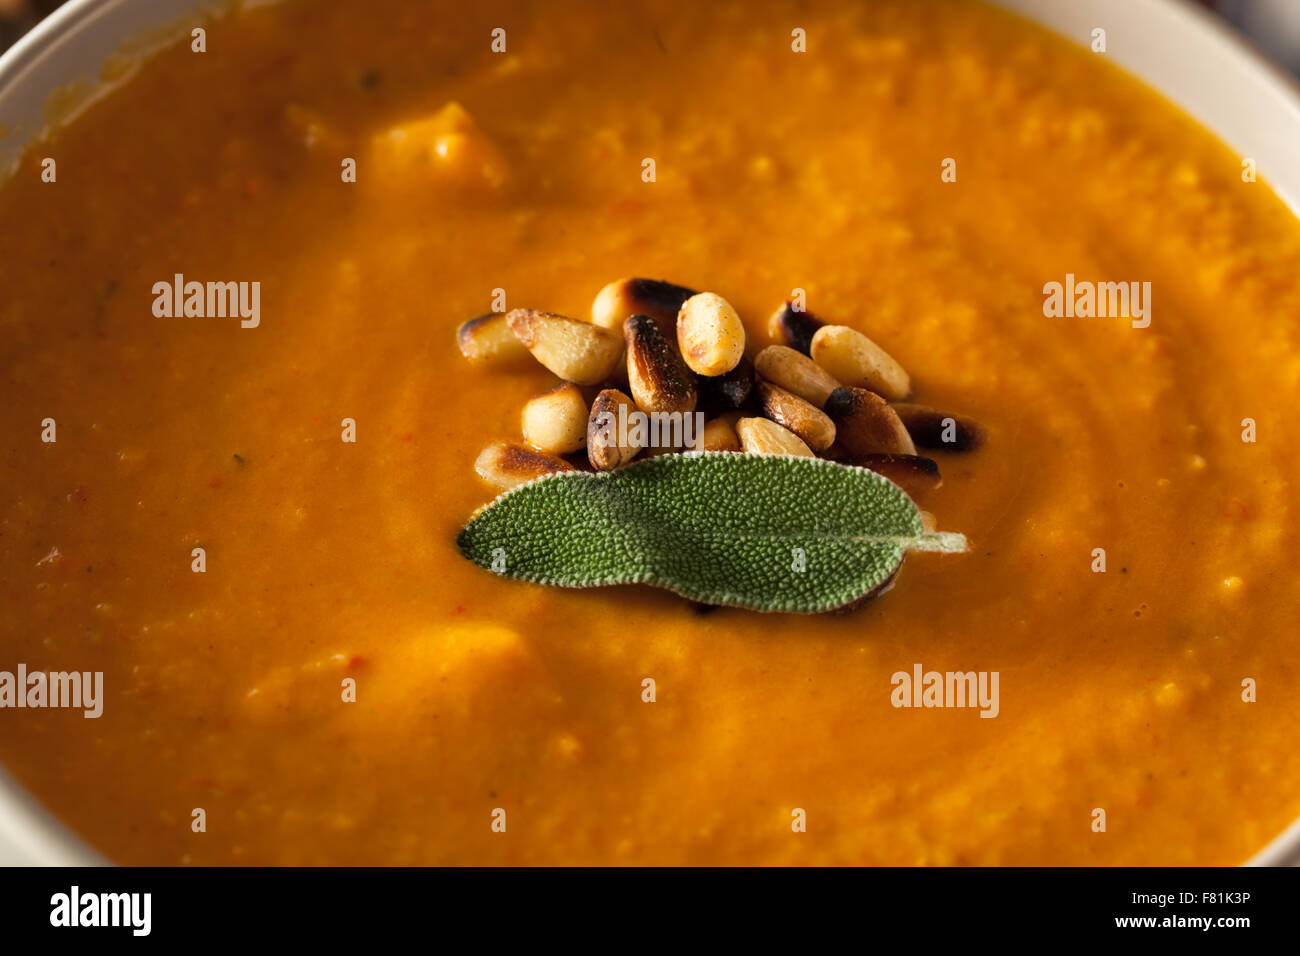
1174, 46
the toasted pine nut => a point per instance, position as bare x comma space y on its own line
930, 428
556, 421
758, 436
782, 365
795, 329
856, 360
506, 465
720, 436
912, 473
488, 339
710, 334
574, 350
627, 297
866, 425
603, 448
656, 374
803, 418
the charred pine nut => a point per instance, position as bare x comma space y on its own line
604, 450
506, 465
710, 334
627, 297
912, 473
931, 428
728, 391
857, 361
556, 421
657, 376
866, 425
783, 366
758, 436
795, 329
574, 350
488, 339
803, 418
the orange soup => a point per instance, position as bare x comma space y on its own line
247, 521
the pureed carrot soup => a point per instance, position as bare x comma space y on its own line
248, 523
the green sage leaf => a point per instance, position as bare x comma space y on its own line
768, 533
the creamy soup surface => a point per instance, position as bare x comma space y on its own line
523, 171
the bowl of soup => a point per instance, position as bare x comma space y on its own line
243, 439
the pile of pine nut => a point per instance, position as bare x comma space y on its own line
652, 346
